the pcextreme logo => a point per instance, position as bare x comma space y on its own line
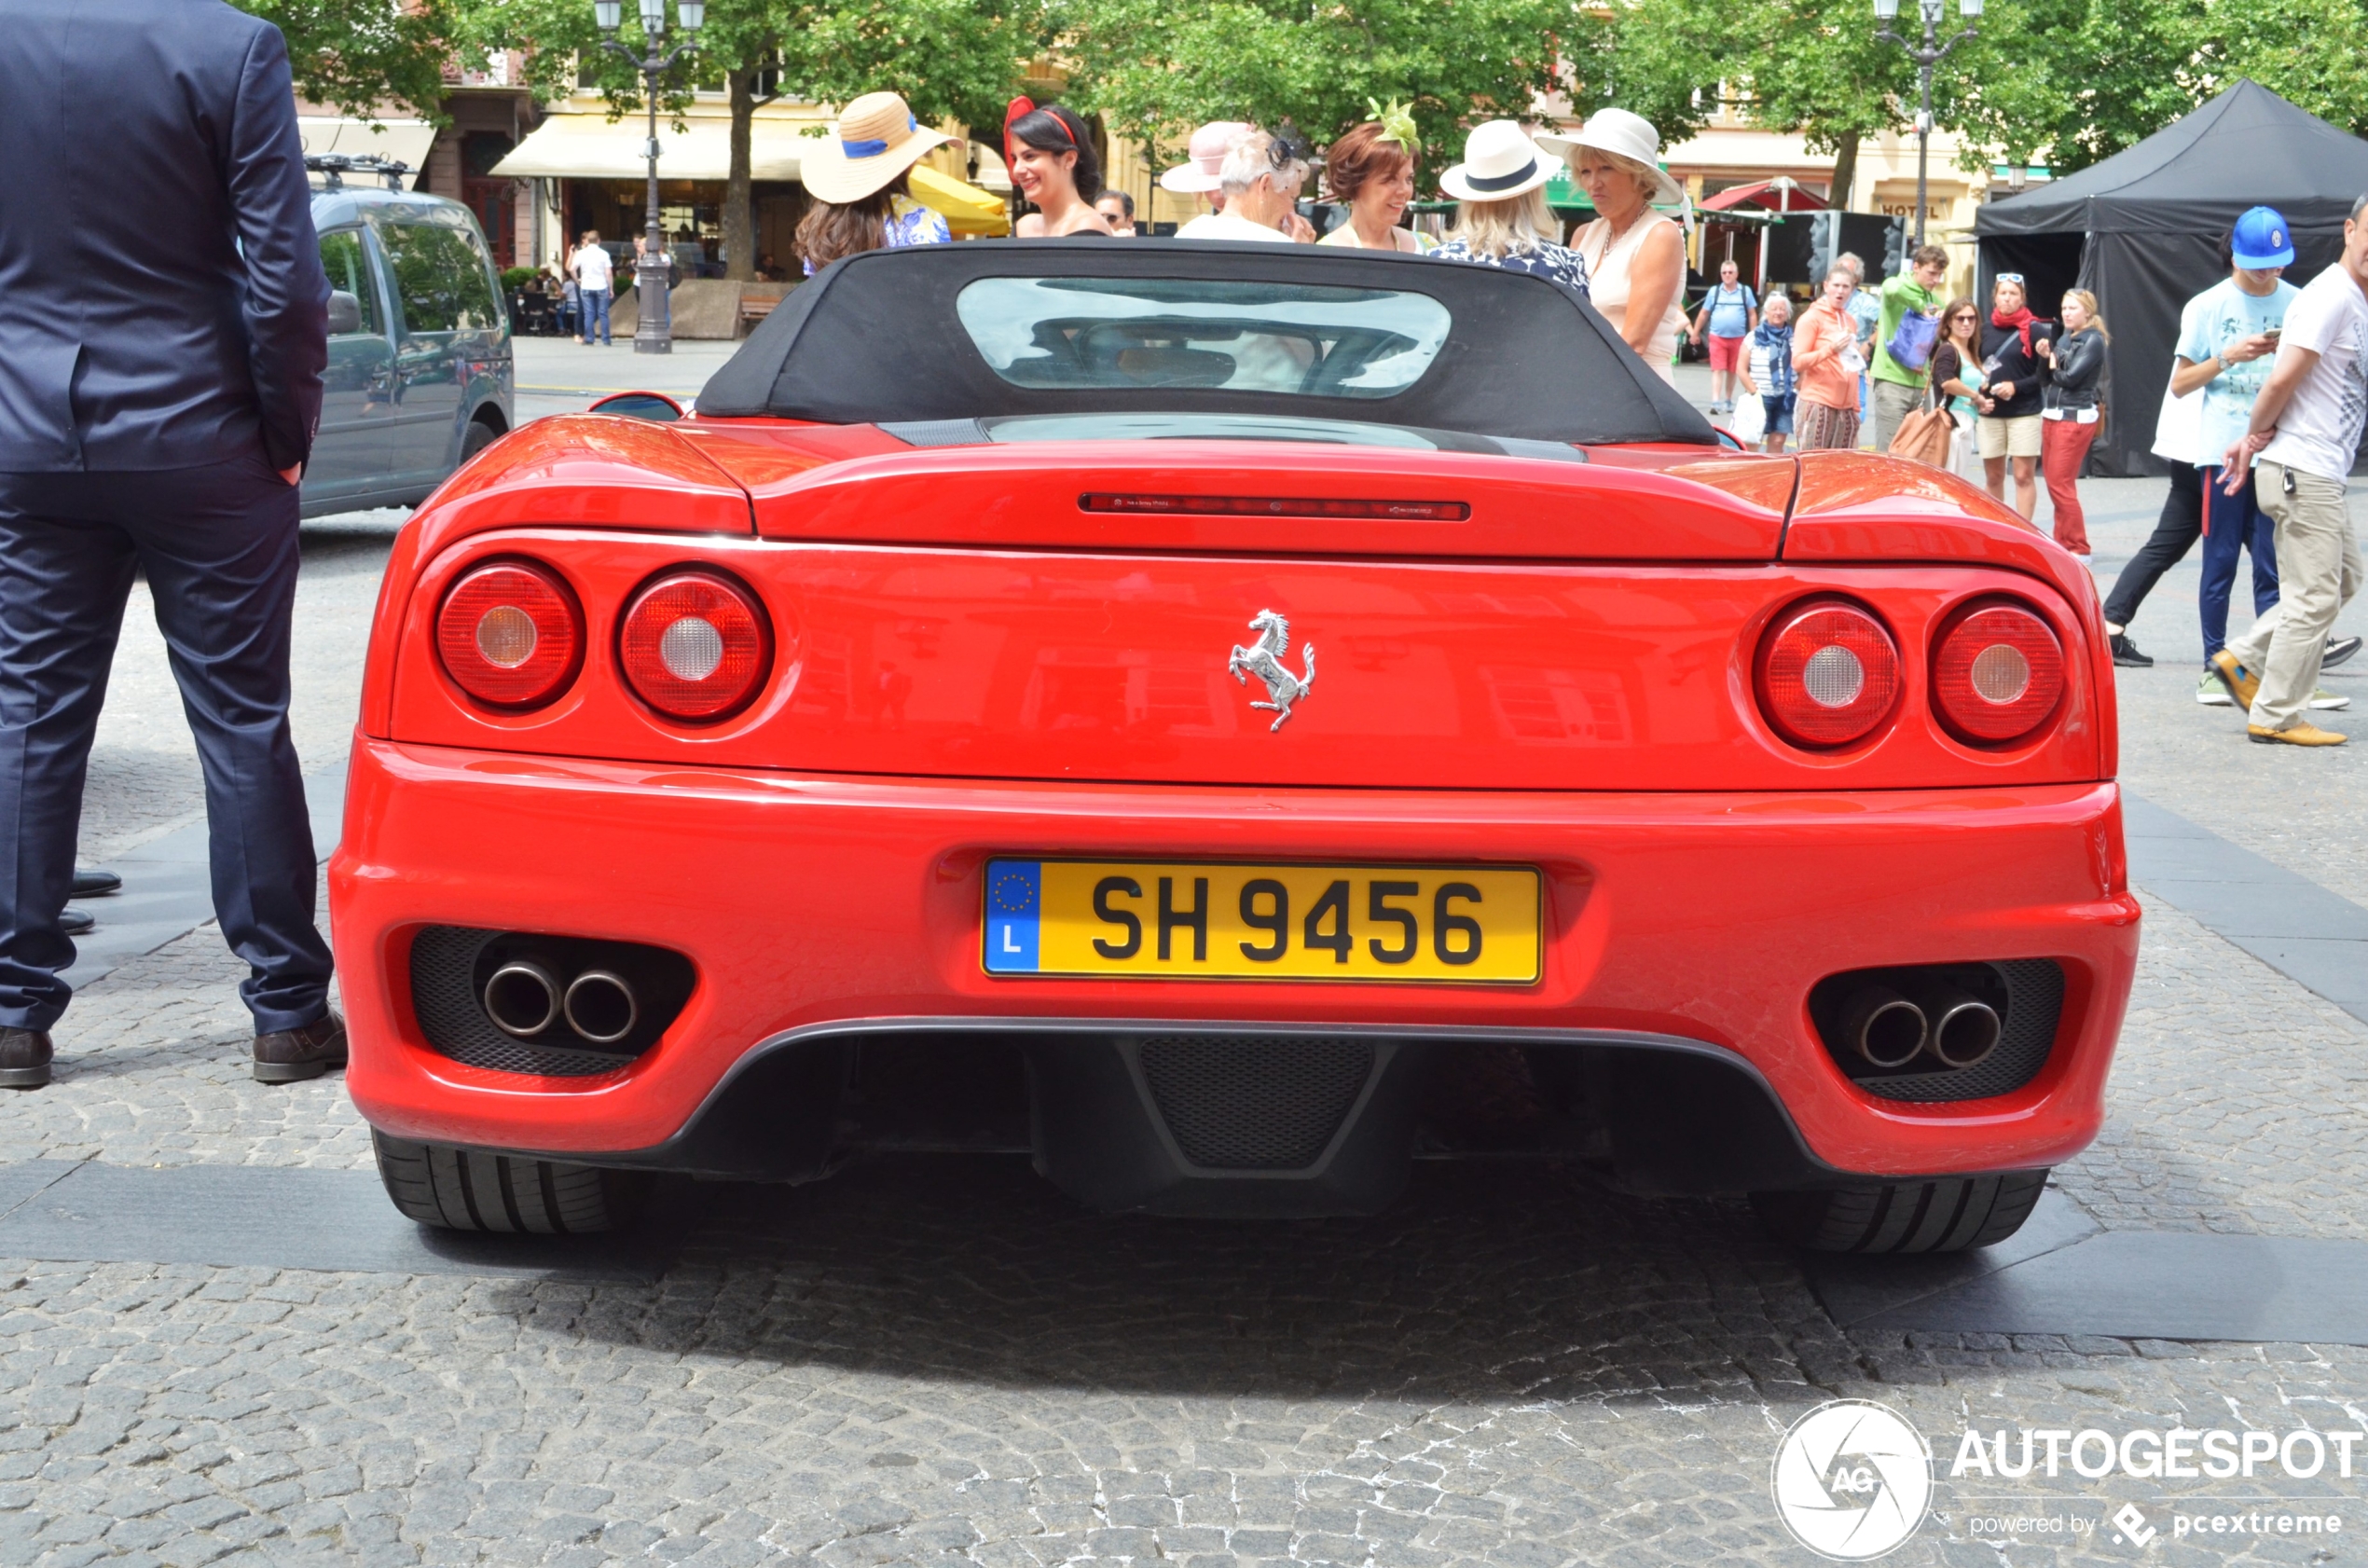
1853, 1479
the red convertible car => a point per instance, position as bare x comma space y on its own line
1227, 721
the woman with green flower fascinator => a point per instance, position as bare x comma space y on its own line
1372, 168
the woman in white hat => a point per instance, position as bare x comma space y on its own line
1635, 258
858, 180
1501, 217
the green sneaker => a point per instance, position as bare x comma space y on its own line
2323, 697
2212, 694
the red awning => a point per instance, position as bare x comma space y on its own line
1787, 197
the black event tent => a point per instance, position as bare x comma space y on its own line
2142, 231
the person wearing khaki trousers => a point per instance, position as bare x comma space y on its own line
2306, 427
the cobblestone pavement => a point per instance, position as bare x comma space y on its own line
927, 1361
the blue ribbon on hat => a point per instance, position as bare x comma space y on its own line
874, 147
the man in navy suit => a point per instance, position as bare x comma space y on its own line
163, 328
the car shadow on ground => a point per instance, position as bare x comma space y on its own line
1483, 1282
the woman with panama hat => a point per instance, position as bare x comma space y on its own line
1501, 217
1635, 258
858, 180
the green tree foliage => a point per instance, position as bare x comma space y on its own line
2070, 82
358, 56
951, 59
1155, 68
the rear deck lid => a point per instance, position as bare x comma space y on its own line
1232, 488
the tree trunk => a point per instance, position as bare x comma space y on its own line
739, 208
1845, 169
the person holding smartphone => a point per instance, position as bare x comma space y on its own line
2008, 432
2225, 351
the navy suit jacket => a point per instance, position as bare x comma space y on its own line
161, 299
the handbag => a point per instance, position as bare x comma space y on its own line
1911, 347
1923, 435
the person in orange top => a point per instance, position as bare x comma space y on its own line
1826, 363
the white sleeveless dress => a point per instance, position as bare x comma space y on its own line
1608, 261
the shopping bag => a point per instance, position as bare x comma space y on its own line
1749, 424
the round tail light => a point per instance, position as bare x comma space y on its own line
1997, 674
694, 646
1828, 674
510, 635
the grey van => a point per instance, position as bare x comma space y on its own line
420, 377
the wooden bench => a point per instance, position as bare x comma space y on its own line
754, 309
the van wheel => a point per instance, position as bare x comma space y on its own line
476, 438
1947, 1215
463, 1190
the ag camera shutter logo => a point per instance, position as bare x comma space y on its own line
1851, 1480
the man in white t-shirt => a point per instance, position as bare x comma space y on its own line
595, 282
2306, 429
1258, 178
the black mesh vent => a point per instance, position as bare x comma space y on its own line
445, 961
2027, 1033
1255, 1102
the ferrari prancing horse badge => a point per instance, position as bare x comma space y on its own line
1265, 661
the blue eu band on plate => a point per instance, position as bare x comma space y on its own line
1154, 920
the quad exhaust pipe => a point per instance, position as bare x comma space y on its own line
1885, 1028
524, 999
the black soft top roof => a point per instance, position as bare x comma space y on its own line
874, 339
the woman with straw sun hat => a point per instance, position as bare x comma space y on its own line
1501, 217
1635, 258
858, 180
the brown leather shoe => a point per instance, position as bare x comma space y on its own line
293, 1056
25, 1058
2302, 731
2240, 683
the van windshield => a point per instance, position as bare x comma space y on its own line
1306, 340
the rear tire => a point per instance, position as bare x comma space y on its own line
465, 1190
1950, 1214
475, 439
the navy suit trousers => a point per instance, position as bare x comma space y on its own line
218, 545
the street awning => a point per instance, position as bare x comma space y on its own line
401, 141
967, 209
595, 147
1778, 195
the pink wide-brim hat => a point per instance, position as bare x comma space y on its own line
1197, 174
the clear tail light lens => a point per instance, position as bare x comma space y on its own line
510, 635
1997, 674
1828, 674
694, 646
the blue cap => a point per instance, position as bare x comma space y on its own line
2263, 239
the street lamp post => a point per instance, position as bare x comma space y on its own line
1931, 54
654, 331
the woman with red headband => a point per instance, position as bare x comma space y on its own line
1050, 154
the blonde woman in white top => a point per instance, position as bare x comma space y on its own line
1635, 258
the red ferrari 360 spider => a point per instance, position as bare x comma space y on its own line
1227, 722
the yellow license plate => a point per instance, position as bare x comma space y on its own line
1156, 920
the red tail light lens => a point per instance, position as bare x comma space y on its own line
510, 635
1997, 674
694, 646
1828, 674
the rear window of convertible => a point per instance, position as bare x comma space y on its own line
1312, 340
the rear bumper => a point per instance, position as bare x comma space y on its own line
810, 904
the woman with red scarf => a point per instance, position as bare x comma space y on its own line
2011, 377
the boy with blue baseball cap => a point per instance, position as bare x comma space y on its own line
2228, 337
